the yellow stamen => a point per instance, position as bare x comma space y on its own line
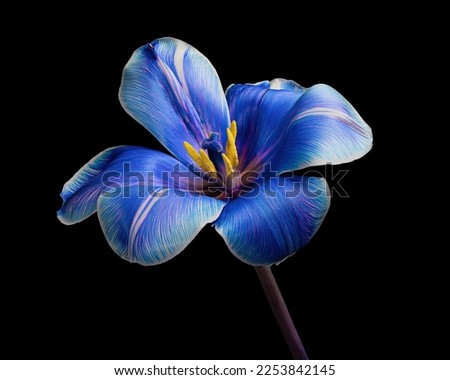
192, 153
231, 146
233, 128
228, 167
208, 165
201, 159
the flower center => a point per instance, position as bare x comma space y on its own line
213, 160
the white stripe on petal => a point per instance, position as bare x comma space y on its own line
140, 217
178, 59
335, 114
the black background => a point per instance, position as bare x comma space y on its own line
368, 286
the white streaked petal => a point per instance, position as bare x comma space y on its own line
323, 128
174, 91
199, 79
152, 229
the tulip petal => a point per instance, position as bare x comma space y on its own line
291, 127
113, 169
152, 229
324, 128
259, 112
174, 91
199, 79
81, 192
149, 205
280, 216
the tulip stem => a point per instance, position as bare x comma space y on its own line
281, 312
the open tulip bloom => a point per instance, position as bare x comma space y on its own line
231, 160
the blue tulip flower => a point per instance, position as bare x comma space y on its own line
231, 163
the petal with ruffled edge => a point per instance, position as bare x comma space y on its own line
149, 204
259, 111
174, 91
280, 216
324, 128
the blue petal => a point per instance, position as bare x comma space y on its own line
199, 79
174, 92
152, 229
81, 192
146, 202
114, 167
323, 128
278, 218
260, 112
290, 127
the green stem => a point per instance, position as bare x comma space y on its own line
281, 312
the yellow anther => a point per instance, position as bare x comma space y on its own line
201, 159
228, 167
231, 149
192, 152
231, 145
207, 164
233, 128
